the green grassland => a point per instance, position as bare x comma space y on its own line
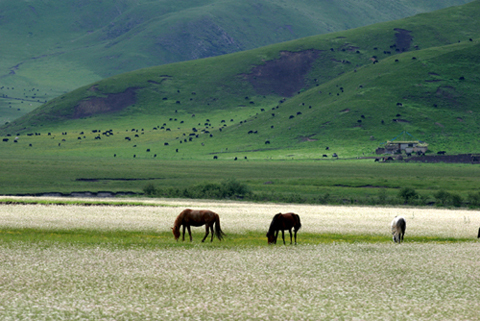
339, 100
277, 121
84, 238
52, 47
341, 181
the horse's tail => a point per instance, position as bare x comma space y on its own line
218, 231
299, 223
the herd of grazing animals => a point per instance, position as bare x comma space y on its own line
280, 223
188, 137
208, 124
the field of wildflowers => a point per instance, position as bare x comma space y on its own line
48, 280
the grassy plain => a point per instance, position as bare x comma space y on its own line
127, 265
342, 180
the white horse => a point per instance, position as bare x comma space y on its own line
398, 229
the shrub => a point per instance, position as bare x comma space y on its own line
457, 200
149, 189
474, 199
423, 199
382, 196
442, 196
232, 187
208, 190
226, 189
295, 198
407, 194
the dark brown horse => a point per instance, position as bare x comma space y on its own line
190, 217
282, 222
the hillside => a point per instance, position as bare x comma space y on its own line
56, 46
348, 91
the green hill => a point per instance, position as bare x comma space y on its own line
52, 47
348, 91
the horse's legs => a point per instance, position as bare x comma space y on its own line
183, 236
283, 237
189, 233
206, 232
295, 231
276, 236
290, 231
211, 231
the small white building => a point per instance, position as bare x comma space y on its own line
397, 147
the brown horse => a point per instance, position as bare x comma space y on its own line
190, 217
282, 222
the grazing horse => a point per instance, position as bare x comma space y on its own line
398, 229
190, 217
282, 222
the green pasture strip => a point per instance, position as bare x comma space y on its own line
340, 179
7, 201
84, 237
165, 239
370, 238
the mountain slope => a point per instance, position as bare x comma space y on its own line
349, 91
56, 46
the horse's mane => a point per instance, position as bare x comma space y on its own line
274, 223
179, 220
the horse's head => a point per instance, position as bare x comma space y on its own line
271, 238
176, 232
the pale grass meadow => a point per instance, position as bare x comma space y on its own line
360, 281
240, 217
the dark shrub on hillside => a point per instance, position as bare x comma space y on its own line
407, 194
474, 199
457, 200
207, 190
232, 187
149, 189
382, 196
442, 197
225, 190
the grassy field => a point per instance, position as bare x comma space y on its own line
343, 181
114, 263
